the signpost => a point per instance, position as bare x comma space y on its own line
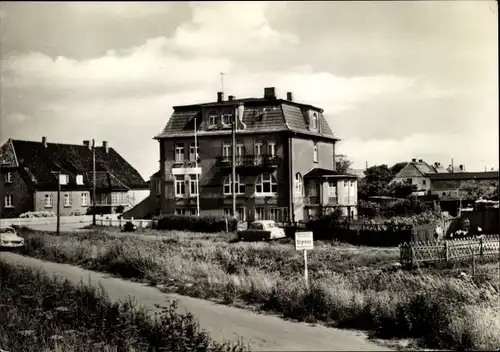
304, 242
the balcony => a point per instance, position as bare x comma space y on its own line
250, 161
186, 167
312, 200
316, 201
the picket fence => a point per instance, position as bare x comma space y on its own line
449, 250
84, 219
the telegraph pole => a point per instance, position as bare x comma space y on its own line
58, 173
196, 166
234, 162
93, 183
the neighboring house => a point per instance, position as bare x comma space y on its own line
360, 173
417, 173
446, 186
151, 205
285, 154
29, 179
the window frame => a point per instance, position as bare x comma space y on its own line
8, 200
228, 181
79, 180
332, 189
8, 177
212, 119
299, 184
67, 200
85, 196
257, 215
314, 121
194, 180
179, 157
226, 116
179, 180
194, 151
271, 180
158, 186
315, 152
48, 200
273, 149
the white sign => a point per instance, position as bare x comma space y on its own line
304, 241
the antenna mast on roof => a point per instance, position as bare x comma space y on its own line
222, 82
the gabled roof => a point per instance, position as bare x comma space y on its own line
36, 164
325, 173
488, 175
415, 169
260, 116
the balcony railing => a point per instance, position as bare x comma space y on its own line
250, 160
186, 163
312, 200
315, 200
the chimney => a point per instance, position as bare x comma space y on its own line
461, 168
269, 93
230, 97
436, 164
220, 97
86, 143
105, 146
44, 141
289, 96
420, 160
413, 160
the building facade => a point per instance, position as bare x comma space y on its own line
417, 173
30, 171
277, 143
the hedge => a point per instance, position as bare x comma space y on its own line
195, 223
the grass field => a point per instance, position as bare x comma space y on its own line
39, 313
353, 287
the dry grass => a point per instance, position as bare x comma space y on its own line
350, 287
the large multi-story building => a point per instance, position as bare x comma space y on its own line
30, 171
285, 160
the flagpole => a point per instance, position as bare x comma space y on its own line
196, 166
234, 163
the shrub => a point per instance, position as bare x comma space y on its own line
368, 209
195, 223
40, 313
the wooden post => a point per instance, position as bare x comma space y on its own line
227, 227
120, 222
481, 247
446, 251
411, 256
473, 262
306, 274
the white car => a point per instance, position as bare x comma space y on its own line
261, 230
10, 239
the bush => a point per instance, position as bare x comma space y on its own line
195, 223
368, 209
42, 313
404, 207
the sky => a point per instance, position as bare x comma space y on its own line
396, 80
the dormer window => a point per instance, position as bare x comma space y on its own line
314, 121
79, 179
226, 119
212, 119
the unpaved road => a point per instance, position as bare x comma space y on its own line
262, 332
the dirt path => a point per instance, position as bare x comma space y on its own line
262, 332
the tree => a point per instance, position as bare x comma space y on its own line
401, 189
473, 190
342, 163
398, 167
375, 181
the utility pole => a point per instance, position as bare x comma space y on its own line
196, 166
234, 161
452, 170
58, 173
93, 183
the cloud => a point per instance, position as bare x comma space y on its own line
127, 92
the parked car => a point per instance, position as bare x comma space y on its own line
261, 230
10, 239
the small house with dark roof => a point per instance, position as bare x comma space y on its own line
417, 173
30, 182
278, 142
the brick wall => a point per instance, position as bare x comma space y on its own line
22, 197
75, 207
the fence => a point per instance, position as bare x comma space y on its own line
449, 250
142, 224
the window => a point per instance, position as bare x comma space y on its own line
266, 185
226, 119
185, 211
194, 152
226, 150
228, 181
351, 183
180, 188
193, 185
85, 198
298, 183
79, 179
259, 213
346, 199
9, 201
275, 214
212, 120
239, 149
314, 121
257, 226
332, 189
315, 152
345, 183
116, 198
179, 152
240, 213
272, 148
63, 179
409, 181
48, 200
67, 199
424, 182
158, 187
8, 177
258, 148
